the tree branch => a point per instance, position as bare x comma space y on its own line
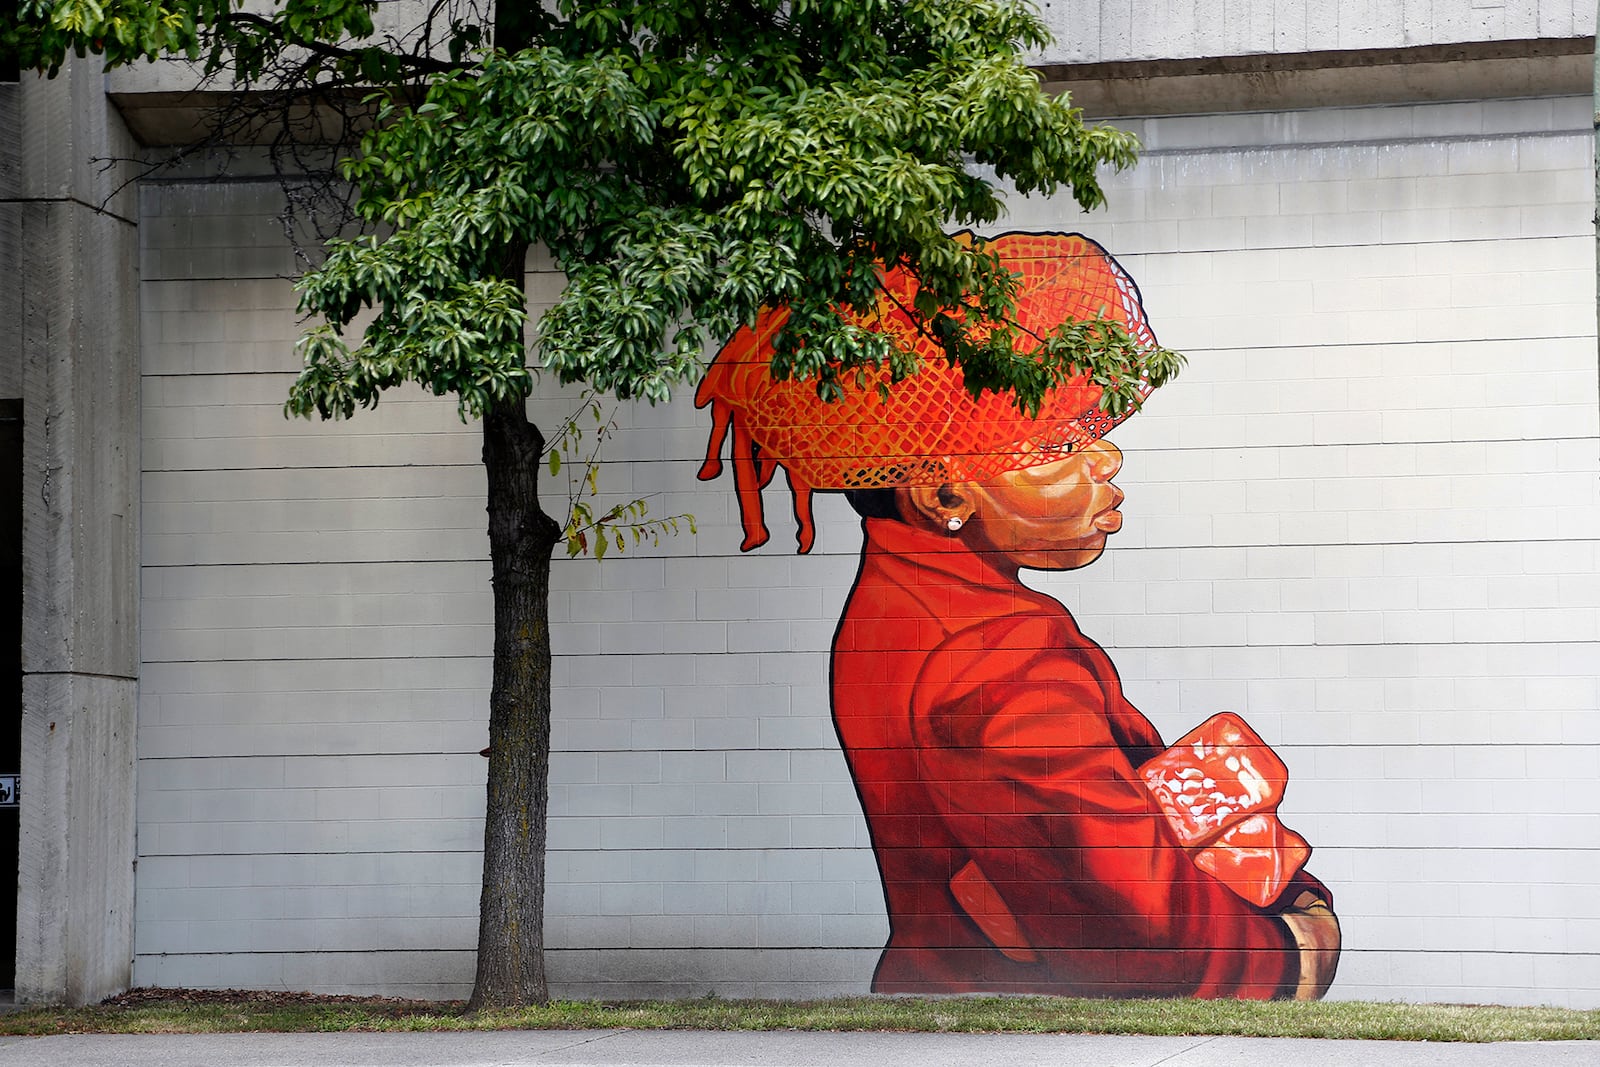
417, 64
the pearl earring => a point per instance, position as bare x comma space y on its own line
953, 523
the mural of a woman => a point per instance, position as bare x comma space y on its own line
1033, 832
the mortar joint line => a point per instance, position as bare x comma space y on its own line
81, 674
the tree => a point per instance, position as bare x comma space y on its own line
686, 163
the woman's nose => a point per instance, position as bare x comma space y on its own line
1105, 460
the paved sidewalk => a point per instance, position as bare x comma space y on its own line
682, 1048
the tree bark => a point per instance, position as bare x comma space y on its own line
521, 539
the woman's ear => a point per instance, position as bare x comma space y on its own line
945, 507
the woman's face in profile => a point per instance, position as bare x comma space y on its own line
1055, 516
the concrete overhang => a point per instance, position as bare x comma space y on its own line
169, 118
1130, 88
1481, 70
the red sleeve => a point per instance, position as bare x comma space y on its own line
1029, 750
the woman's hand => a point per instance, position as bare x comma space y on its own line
1316, 931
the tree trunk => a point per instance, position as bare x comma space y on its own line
521, 539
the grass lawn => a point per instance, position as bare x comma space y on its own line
145, 1011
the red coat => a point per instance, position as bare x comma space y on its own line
995, 758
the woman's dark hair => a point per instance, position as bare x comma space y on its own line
874, 503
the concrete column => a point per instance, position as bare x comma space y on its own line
69, 252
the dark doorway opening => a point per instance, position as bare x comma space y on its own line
10, 678
10, 65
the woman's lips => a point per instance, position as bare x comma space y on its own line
1110, 520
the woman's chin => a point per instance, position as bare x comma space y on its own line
1062, 559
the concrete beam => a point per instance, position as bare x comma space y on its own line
1487, 70
1481, 70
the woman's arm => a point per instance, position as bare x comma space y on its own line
1026, 740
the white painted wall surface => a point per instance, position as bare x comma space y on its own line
1366, 516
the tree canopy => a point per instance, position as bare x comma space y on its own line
687, 163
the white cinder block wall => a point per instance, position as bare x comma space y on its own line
315, 617
1366, 516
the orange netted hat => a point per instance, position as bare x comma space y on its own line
928, 430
